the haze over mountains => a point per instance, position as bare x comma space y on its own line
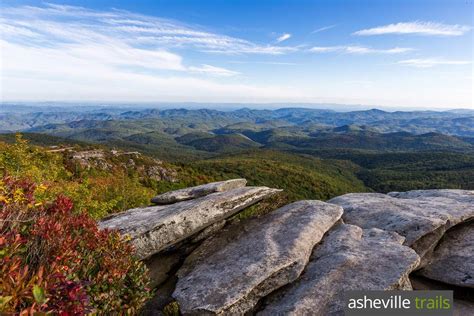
297, 129
454, 122
383, 151
234, 157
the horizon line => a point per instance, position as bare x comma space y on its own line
304, 105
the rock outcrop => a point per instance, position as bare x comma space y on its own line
152, 229
348, 258
422, 218
131, 161
453, 259
198, 191
231, 271
301, 258
462, 196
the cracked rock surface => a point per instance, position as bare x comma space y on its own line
231, 271
198, 191
422, 217
453, 258
348, 258
155, 228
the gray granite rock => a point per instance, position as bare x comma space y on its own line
160, 266
453, 258
232, 270
155, 228
208, 231
198, 191
348, 258
422, 219
462, 196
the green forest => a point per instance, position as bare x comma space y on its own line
53, 186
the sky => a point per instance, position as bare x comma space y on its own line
405, 53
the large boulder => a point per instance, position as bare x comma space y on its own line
422, 218
453, 258
155, 228
348, 258
198, 191
232, 270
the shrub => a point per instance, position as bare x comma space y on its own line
22, 160
53, 259
171, 309
98, 192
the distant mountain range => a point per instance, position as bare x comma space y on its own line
40, 119
172, 133
297, 147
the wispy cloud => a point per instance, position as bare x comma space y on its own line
417, 27
33, 74
431, 62
263, 62
212, 70
324, 28
283, 37
56, 24
58, 52
361, 50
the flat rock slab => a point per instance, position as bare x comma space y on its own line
155, 228
231, 271
198, 191
453, 258
422, 220
462, 196
348, 258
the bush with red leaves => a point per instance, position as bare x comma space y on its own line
55, 260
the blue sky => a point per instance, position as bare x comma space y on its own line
379, 53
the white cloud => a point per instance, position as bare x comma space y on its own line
55, 75
431, 62
283, 37
65, 53
12, 30
70, 53
263, 62
212, 70
324, 28
417, 27
61, 23
361, 50
327, 49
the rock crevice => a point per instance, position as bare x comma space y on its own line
348, 258
198, 191
422, 216
153, 229
299, 259
230, 272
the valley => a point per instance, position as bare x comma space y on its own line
236, 158
310, 153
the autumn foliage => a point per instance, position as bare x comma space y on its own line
55, 259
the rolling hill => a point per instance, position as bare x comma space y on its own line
33, 118
310, 151
300, 176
